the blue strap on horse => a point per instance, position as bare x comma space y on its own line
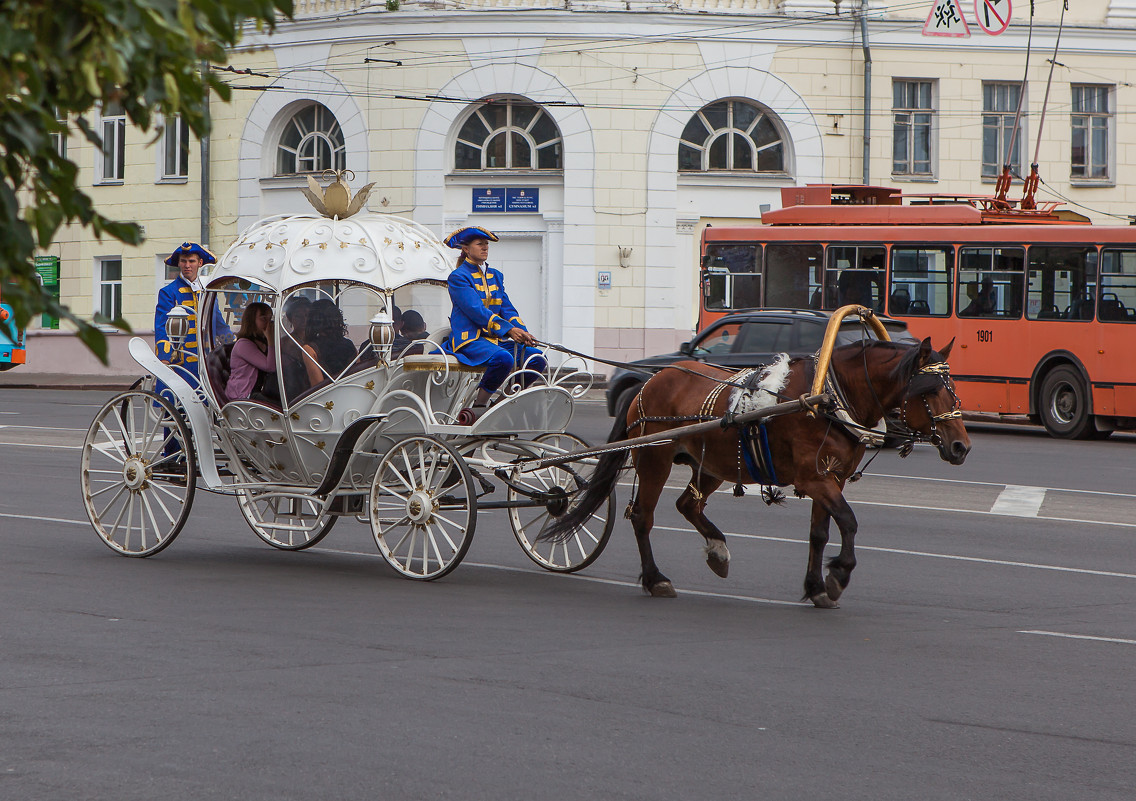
756, 455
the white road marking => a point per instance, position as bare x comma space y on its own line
44, 428
40, 445
47, 519
1118, 640
927, 554
1019, 501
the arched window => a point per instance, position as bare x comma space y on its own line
311, 142
508, 135
732, 135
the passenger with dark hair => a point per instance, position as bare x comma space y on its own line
413, 329
254, 354
293, 365
327, 348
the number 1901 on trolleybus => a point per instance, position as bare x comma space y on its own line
1041, 303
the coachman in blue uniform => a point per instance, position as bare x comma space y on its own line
184, 291
485, 328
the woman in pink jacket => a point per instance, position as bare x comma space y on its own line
253, 352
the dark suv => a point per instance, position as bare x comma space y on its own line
747, 339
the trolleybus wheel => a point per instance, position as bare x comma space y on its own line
290, 523
423, 508
138, 474
584, 545
1064, 404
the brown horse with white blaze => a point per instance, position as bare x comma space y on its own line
816, 454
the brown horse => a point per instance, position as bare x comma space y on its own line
816, 455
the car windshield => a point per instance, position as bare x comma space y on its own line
718, 340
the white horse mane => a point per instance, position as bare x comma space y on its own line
759, 394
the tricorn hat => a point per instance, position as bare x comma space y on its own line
191, 249
463, 236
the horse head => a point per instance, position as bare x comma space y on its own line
929, 406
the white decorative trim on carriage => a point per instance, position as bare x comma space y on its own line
763, 389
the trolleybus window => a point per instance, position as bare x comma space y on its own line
792, 275
1118, 286
921, 278
1062, 283
732, 278
990, 282
854, 274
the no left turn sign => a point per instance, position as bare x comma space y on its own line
993, 16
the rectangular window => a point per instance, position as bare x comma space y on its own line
113, 154
1118, 286
110, 287
792, 274
1092, 121
732, 276
1062, 283
921, 277
59, 140
990, 282
913, 115
854, 274
175, 148
999, 105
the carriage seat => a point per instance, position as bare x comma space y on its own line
437, 361
218, 366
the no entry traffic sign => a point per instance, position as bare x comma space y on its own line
993, 16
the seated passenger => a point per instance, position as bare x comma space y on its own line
253, 355
293, 365
328, 346
485, 328
413, 329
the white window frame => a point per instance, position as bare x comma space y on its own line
175, 135
112, 130
910, 112
330, 135
1004, 115
703, 148
102, 283
1109, 117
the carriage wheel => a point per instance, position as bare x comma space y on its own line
584, 545
287, 523
138, 474
423, 508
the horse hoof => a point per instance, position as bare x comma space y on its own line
822, 601
832, 587
664, 589
721, 567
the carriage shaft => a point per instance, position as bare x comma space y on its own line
671, 434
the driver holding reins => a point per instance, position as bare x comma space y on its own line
485, 328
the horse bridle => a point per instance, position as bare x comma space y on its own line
941, 370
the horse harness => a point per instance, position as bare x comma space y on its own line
942, 371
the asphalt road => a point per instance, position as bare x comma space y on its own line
984, 649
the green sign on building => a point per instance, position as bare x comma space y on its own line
48, 269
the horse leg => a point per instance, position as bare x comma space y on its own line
828, 502
818, 538
840, 567
653, 469
692, 505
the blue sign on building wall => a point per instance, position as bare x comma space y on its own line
522, 199
488, 199
525, 199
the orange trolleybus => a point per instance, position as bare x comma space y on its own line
1041, 304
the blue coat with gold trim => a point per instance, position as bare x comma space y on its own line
178, 292
482, 313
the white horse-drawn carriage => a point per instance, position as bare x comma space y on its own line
387, 439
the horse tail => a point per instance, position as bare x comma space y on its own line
600, 485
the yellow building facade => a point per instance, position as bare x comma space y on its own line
598, 139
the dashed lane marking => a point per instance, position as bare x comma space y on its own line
1019, 501
1063, 635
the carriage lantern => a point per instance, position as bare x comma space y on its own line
177, 325
382, 333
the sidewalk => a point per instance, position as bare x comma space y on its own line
19, 379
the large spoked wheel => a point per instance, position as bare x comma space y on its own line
138, 475
423, 508
287, 523
584, 544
